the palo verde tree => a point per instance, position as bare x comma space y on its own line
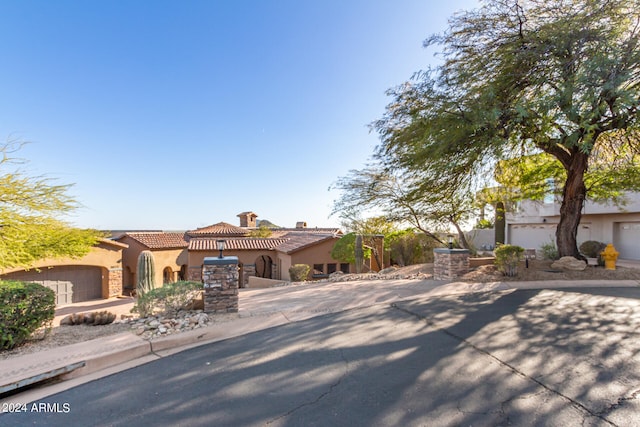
30, 207
401, 199
522, 77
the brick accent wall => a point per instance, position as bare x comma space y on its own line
450, 264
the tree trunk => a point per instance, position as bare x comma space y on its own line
462, 239
573, 196
499, 224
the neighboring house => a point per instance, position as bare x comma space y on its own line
180, 255
534, 224
96, 275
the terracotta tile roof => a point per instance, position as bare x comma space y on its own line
221, 229
161, 239
298, 240
248, 243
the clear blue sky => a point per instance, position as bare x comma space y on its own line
180, 114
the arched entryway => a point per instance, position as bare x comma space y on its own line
264, 267
167, 275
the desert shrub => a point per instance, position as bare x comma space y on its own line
170, 298
299, 272
550, 251
24, 308
507, 258
408, 247
93, 318
592, 248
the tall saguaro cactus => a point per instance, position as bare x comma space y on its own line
146, 273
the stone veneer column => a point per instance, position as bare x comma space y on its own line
450, 263
220, 277
115, 281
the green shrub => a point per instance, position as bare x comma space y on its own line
550, 251
170, 298
507, 258
592, 248
299, 272
24, 308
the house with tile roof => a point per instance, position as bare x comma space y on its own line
96, 275
180, 255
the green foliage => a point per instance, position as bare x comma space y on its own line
507, 258
299, 272
146, 273
29, 211
403, 198
592, 248
408, 247
550, 251
24, 308
345, 249
170, 298
262, 231
483, 224
551, 76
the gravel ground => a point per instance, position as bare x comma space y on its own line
538, 270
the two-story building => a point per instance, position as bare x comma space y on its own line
533, 224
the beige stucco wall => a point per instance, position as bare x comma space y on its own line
317, 254
172, 258
106, 255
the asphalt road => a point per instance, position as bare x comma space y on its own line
525, 357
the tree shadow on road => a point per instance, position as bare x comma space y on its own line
519, 357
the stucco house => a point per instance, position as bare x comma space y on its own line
96, 275
180, 255
533, 224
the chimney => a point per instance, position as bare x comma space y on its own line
301, 224
247, 219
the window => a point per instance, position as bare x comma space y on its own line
344, 267
331, 268
318, 269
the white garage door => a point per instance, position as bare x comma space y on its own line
70, 283
627, 240
532, 236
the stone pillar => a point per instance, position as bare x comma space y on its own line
450, 263
115, 281
220, 278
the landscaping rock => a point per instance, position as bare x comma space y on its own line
569, 263
167, 324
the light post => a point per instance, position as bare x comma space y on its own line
221, 243
450, 237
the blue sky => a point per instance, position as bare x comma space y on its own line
180, 114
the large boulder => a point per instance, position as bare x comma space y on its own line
569, 263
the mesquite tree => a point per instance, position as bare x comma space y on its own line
518, 78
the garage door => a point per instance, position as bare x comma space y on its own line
70, 283
627, 239
533, 236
